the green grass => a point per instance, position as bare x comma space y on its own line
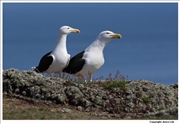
146, 100
115, 84
118, 81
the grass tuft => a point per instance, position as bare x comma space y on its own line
118, 81
146, 100
115, 84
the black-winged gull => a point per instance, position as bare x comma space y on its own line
91, 59
56, 60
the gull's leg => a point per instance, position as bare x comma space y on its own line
89, 76
80, 77
59, 74
48, 74
56, 74
63, 75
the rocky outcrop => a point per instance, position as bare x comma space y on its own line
141, 97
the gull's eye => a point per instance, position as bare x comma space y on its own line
68, 28
107, 32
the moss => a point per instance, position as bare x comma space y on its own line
155, 107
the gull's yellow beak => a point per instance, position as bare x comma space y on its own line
75, 30
119, 36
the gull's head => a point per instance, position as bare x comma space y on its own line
68, 30
109, 35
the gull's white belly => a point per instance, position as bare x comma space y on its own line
93, 62
59, 63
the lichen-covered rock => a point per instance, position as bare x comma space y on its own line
66, 110
141, 97
33, 85
74, 95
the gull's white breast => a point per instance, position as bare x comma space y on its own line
93, 62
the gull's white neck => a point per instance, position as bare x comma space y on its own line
61, 43
97, 45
